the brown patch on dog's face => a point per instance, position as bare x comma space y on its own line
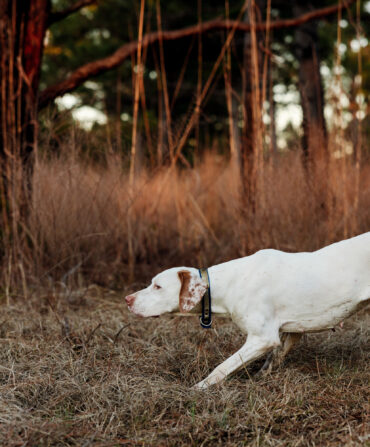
191, 291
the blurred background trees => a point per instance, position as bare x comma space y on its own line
294, 60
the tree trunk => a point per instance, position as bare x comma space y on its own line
251, 97
310, 84
246, 156
22, 32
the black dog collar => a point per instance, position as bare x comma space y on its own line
206, 317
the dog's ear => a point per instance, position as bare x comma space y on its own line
192, 290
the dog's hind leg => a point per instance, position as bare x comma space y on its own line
276, 357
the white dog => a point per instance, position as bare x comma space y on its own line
271, 295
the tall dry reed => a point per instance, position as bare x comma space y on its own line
79, 226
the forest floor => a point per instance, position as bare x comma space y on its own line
77, 369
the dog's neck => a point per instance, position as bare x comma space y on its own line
218, 289
219, 284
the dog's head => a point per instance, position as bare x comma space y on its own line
176, 288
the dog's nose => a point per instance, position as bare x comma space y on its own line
130, 300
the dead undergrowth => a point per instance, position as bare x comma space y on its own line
78, 369
86, 228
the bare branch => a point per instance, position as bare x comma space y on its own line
60, 15
91, 69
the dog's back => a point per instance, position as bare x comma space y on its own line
329, 285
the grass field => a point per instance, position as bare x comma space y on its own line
78, 369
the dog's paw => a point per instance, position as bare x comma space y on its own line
200, 386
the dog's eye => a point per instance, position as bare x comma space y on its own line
156, 286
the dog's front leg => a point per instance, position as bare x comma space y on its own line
254, 348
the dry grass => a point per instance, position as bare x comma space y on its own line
79, 222
78, 369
